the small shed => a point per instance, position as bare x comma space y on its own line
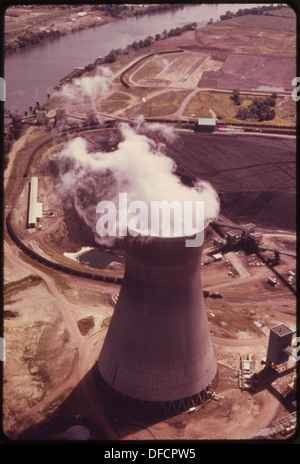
206, 125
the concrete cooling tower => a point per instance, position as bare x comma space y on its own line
158, 354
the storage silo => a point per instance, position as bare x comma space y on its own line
158, 353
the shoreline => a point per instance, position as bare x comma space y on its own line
57, 36
39, 33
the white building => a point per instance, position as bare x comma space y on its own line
35, 209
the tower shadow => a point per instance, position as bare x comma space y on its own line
92, 406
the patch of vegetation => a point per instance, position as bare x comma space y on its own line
226, 109
221, 103
196, 108
236, 97
86, 325
257, 11
164, 104
260, 109
28, 38
10, 314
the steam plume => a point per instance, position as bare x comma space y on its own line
138, 167
90, 88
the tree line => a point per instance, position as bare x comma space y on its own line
111, 57
117, 10
259, 10
30, 38
262, 109
113, 10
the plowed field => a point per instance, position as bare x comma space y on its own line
254, 176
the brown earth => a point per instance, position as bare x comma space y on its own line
255, 178
248, 52
50, 360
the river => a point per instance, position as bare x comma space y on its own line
32, 73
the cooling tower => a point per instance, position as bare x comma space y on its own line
158, 349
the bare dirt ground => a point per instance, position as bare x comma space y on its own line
43, 341
50, 371
182, 71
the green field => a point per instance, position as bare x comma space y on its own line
226, 110
162, 105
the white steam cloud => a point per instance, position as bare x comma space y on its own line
137, 167
90, 88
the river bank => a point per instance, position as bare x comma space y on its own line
45, 64
26, 26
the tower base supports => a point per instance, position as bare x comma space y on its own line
152, 408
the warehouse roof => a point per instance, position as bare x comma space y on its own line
207, 121
35, 209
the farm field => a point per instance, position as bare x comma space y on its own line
253, 34
255, 182
252, 72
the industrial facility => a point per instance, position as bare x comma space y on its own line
279, 347
35, 209
158, 354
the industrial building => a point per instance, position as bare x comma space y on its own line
279, 347
256, 237
35, 209
219, 242
158, 353
231, 238
206, 125
41, 117
248, 229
